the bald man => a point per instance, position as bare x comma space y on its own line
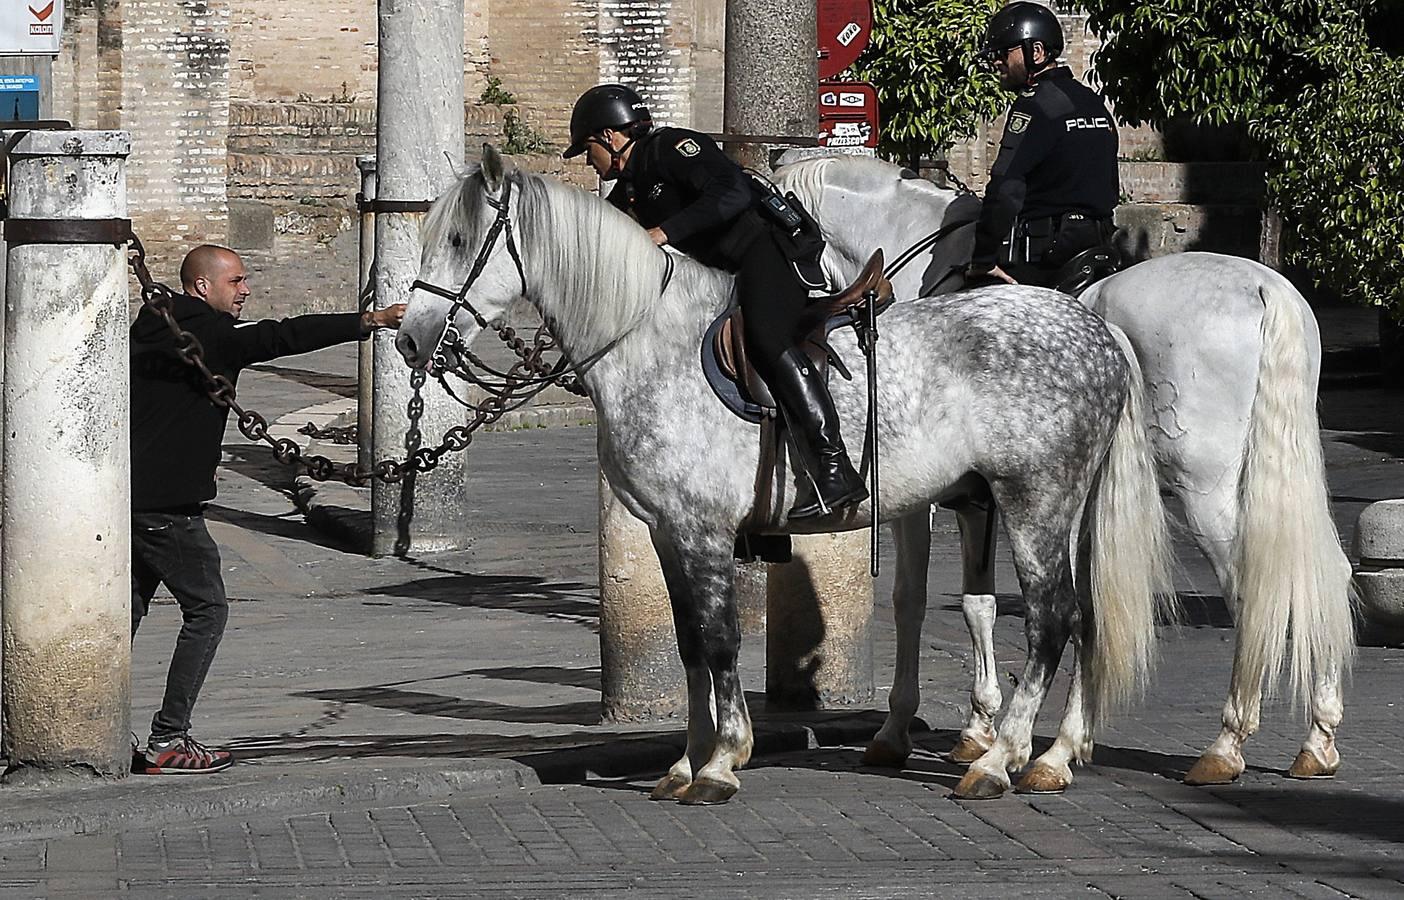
177, 432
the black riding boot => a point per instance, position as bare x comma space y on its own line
809, 412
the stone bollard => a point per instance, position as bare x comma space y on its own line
1379, 544
419, 150
65, 554
819, 645
641, 676
365, 351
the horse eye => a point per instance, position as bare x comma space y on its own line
456, 239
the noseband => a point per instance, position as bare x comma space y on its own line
459, 300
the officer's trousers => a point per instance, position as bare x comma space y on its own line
772, 301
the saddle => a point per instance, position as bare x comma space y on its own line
729, 370
1086, 268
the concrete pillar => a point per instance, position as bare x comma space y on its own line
772, 89
1379, 545
419, 150
365, 354
772, 79
641, 675
65, 554
819, 645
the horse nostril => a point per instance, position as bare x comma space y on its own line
405, 342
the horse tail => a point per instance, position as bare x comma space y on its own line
1290, 576
1130, 557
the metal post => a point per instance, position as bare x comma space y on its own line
65, 554
365, 355
419, 150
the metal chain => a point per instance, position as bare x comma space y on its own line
160, 297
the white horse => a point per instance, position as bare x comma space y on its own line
1013, 392
1231, 356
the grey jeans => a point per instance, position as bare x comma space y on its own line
175, 548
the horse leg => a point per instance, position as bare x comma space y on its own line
1319, 757
1050, 610
1051, 773
977, 546
892, 744
1213, 520
719, 737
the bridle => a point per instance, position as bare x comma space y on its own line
458, 300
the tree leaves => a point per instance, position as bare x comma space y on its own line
1320, 102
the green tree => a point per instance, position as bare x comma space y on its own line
1317, 87
921, 59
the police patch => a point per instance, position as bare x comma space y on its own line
1018, 122
688, 147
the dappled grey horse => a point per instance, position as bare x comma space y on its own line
1231, 357
1012, 391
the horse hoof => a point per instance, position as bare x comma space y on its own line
1307, 765
978, 786
670, 788
1212, 770
1042, 779
883, 755
968, 749
704, 792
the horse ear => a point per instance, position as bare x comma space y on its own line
493, 168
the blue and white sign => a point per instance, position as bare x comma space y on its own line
31, 27
19, 98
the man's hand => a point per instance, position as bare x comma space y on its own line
658, 236
389, 317
996, 273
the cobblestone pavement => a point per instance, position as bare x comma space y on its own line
339, 670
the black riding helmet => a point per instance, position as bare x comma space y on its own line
1021, 24
603, 106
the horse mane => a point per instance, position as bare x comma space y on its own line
594, 273
807, 178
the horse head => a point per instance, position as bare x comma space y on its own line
470, 267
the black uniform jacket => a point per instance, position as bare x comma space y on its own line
1058, 155
680, 181
177, 430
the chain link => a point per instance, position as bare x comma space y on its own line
160, 298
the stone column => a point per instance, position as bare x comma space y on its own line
771, 74
641, 675
819, 645
771, 89
65, 554
365, 354
419, 148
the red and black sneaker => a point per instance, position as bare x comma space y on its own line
181, 754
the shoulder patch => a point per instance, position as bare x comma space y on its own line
1018, 122
688, 147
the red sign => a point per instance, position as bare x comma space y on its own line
844, 29
848, 114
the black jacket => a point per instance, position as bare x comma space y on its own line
679, 180
177, 430
1058, 155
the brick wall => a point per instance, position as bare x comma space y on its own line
159, 69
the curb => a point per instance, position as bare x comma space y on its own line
261, 789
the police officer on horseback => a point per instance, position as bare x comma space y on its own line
1054, 184
680, 186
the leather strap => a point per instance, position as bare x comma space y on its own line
67, 231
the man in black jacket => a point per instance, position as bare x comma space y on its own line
1054, 185
177, 431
